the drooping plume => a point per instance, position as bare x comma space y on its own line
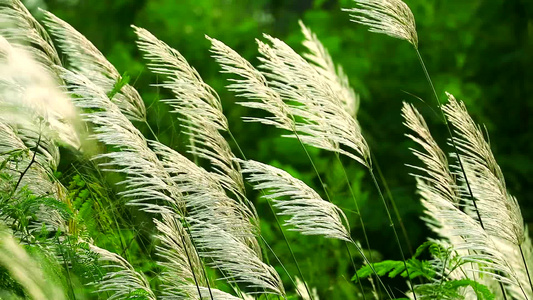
86, 59
390, 17
309, 213
198, 105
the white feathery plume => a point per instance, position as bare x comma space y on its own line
323, 62
86, 59
324, 123
122, 281
25, 270
31, 99
309, 213
440, 197
302, 290
182, 277
197, 103
498, 209
468, 236
206, 200
434, 160
500, 212
253, 86
147, 181
390, 17
238, 261
18, 26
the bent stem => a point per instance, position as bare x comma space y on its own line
456, 150
393, 229
371, 266
279, 227
394, 207
525, 265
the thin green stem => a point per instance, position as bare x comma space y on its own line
367, 241
526, 267
355, 270
278, 224
456, 150
150, 128
393, 203
290, 249
371, 266
393, 229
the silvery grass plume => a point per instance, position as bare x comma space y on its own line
308, 213
499, 210
302, 290
298, 96
238, 261
390, 17
146, 179
198, 105
26, 270
441, 198
31, 100
84, 58
323, 62
205, 198
252, 85
123, 282
18, 26
319, 115
182, 277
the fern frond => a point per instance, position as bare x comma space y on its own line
390, 17
309, 213
86, 59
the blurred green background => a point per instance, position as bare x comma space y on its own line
478, 50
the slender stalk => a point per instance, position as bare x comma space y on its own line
456, 150
290, 249
282, 265
394, 207
355, 270
182, 235
151, 131
525, 265
367, 241
393, 229
371, 267
28, 167
278, 224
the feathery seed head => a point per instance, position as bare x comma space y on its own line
391, 17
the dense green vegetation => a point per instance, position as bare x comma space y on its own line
479, 51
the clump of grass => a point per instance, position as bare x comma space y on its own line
204, 232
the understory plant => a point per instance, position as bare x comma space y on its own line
132, 218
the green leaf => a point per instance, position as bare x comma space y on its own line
121, 82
